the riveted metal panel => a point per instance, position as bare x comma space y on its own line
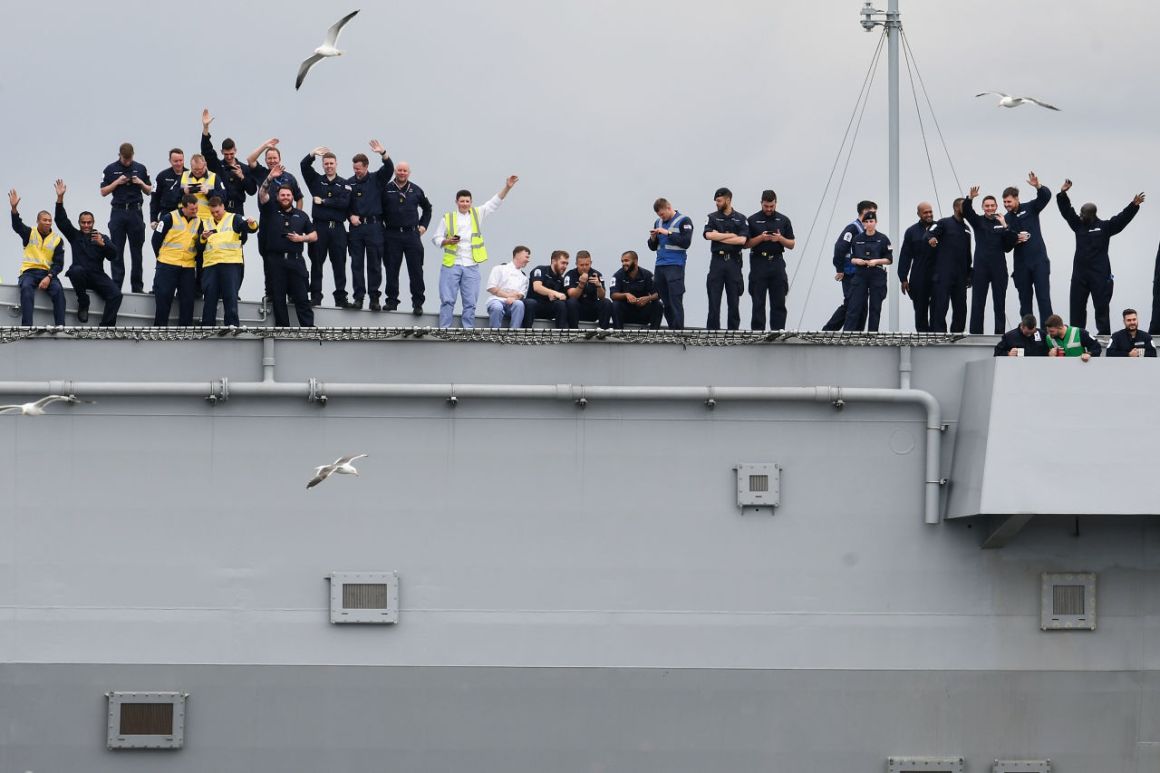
364, 597
1021, 766
925, 765
758, 485
146, 720
1068, 601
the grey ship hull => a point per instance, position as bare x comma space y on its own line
579, 590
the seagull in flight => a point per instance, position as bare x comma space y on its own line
326, 49
342, 465
37, 408
1006, 100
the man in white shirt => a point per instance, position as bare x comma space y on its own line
508, 284
458, 236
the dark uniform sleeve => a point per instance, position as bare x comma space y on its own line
1004, 346
1120, 221
144, 175
1042, 199
1149, 349
649, 284
155, 202
62, 222
424, 210
888, 251
58, 259
211, 157
683, 238
1090, 344
107, 252
307, 226
109, 175
904, 256
970, 215
842, 249
1118, 347
341, 200
219, 188
1068, 211
787, 232
310, 176
163, 226
20, 228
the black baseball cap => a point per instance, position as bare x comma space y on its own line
871, 215
723, 192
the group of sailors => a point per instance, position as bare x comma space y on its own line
378, 220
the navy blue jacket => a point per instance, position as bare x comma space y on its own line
86, 254
916, 254
992, 240
1026, 218
735, 223
366, 199
589, 295
1034, 345
761, 223
546, 277
1091, 239
1122, 343
166, 194
842, 247
335, 194
277, 224
869, 247
126, 195
235, 190
406, 207
641, 287
952, 256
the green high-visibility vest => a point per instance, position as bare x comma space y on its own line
451, 251
1070, 343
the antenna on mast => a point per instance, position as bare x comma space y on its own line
891, 21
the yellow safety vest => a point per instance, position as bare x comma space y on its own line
180, 245
39, 251
224, 245
451, 251
207, 184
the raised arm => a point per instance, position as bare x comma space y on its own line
252, 159
60, 216
1063, 201
18, 225
1120, 222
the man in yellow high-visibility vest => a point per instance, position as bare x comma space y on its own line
43, 261
461, 241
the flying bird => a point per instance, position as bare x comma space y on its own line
1006, 100
37, 408
326, 49
342, 465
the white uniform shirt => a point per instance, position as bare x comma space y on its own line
463, 249
507, 277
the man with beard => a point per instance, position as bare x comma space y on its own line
1091, 269
1069, 340
634, 295
915, 264
1032, 268
90, 250
1131, 341
259, 174
952, 263
992, 240
546, 297
288, 228
728, 230
770, 235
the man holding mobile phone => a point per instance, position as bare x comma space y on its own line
127, 181
90, 250
770, 235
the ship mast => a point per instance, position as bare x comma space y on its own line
891, 21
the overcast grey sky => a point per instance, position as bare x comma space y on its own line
602, 106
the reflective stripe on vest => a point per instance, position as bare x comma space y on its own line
674, 254
207, 185
39, 251
451, 226
224, 245
180, 245
1071, 343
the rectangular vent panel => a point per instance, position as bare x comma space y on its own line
1022, 766
146, 720
758, 485
1068, 601
925, 765
364, 597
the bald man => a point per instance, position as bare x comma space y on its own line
916, 264
406, 215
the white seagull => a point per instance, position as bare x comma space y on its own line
1006, 100
326, 49
37, 408
342, 465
